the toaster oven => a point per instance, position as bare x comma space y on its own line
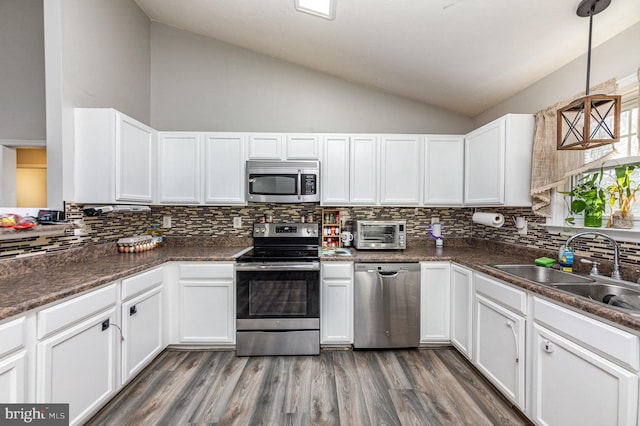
380, 234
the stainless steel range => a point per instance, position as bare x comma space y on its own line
278, 291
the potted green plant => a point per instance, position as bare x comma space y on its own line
622, 196
587, 197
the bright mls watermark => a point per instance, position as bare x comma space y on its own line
34, 414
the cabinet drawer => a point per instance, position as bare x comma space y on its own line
609, 341
142, 282
337, 270
12, 336
66, 313
509, 297
206, 270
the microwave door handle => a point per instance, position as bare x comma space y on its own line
299, 184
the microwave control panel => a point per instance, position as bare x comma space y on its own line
309, 185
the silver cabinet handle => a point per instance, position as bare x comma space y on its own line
515, 339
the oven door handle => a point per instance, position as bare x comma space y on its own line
311, 266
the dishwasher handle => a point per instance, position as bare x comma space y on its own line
390, 273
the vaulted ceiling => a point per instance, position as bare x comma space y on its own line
461, 55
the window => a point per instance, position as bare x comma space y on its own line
627, 149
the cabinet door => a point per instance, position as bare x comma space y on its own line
444, 170
335, 170
13, 378
484, 162
336, 304
461, 309
77, 366
435, 294
179, 168
135, 159
142, 331
13, 361
302, 147
363, 179
225, 165
499, 350
573, 386
265, 146
400, 170
207, 311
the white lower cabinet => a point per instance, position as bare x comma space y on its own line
462, 309
13, 362
582, 370
500, 336
336, 303
142, 317
435, 295
572, 385
207, 303
78, 365
500, 346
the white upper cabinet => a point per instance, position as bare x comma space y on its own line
179, 164
225, 168
334, 179
276, 146
497, 161
302, 147
349, 170
400, 170
363, 172
265, 146
443, 170
114, 158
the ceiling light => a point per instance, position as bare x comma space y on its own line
593, 120
323, 8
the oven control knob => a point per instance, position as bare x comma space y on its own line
309, 231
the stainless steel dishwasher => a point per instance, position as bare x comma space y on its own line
387, 305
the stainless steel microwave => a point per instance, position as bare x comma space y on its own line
380, 234
283, 181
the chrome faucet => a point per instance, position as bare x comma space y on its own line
615, 273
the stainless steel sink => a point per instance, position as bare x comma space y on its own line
543, 275
611, 294
619, 296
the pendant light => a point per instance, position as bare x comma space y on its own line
593, 120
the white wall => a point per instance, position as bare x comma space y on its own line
22, 111
617, 58
106, 56
198, 83
97, 54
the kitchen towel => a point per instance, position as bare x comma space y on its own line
489, 219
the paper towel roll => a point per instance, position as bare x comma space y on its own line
489, 219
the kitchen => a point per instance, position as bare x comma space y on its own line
148, 55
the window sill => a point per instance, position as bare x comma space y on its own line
629, 235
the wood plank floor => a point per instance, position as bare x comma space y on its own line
402, 387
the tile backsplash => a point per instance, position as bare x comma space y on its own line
211, 221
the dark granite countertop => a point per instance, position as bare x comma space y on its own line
47, 283
34, 282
